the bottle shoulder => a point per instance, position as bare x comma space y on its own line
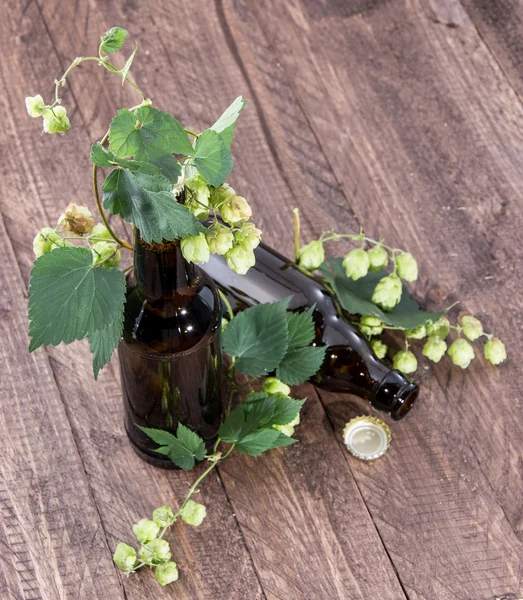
173, 323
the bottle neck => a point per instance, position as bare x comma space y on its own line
161, 271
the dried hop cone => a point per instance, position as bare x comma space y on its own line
356, 264
495, 351
378, 258
405, 361
387, 292
406, 266
312, 255
461, 353
76, 219
434, 348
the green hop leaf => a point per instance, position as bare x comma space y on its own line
124, 557
70, 298
406, 266
155, 552
128, 63
258, 338
147, 202
370, 326
356, 298
271, 385
56, 120
212, 157
378, 258
195, 248
163, 516
461, 353
387, 292
104, 342
434, 348
380, 349
113, 40
417, 333
193, 513
356, 264
183, 448
405, 361
145, 530
240, 259
301, 328
472, 327
166, 573
260, 441
105, 159
286, 411
495, 351
312, 255
440, 328
226, 124
300, 364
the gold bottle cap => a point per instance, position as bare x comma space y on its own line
367, 437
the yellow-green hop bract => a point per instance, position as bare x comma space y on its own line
380, 349
155, 552
312, 255
124, 557
378, 258
36, 107
193, 513
46, 240
145, 530
249, 235
195, 248
406, 266
163, 516
225, 322
220, 194
439, 329
235, 209
56, 121
434, 348
356, 264
370, 325
461, 353
199, 195
107, 253
405, 361
417, 333
387, 292
287, 430
495, 351
271, 385
100, 231
166, 573
76, 219
240, 259
472, 327
221, 240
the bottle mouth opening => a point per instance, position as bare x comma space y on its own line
405, 400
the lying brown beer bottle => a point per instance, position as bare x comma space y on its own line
350, 364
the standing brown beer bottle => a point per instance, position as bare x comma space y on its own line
170, 354
350, 364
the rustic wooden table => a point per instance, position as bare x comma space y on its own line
404, 117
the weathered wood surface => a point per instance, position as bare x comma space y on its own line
394, 115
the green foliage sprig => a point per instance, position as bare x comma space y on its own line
361, 285
265, 420
164, 180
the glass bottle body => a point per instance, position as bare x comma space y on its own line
170, 354
350, 364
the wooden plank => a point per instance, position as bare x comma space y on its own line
325, 543
500, 25
418, 122
213, 559
52, 541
